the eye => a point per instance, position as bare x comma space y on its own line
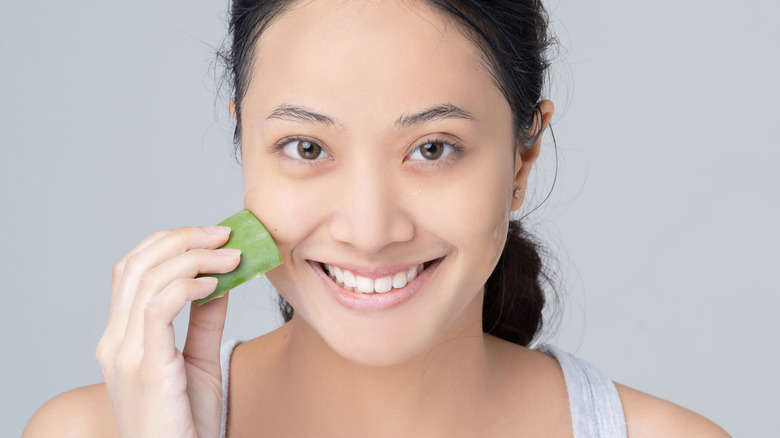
302, 148
433, 150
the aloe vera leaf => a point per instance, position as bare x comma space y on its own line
258, 253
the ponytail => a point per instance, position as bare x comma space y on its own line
514, 298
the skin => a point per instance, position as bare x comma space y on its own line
370, 201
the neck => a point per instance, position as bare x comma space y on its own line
397, 398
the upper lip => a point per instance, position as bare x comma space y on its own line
375, 271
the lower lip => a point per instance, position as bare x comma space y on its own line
374, 302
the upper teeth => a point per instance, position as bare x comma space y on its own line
348, 280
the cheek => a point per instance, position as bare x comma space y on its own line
289, 214
477, 212
286, 212
290, 210
287, 207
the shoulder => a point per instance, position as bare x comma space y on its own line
259, 352
648, 416
529, 390
80, 412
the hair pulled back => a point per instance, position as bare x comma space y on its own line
514, 41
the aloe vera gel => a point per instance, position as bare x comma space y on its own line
258, 253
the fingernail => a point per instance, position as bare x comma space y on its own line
233, 252
217, 229
207, 280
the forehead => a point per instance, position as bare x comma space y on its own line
369, 56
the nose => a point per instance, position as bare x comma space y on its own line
369, 214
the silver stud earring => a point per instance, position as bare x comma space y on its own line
518, 193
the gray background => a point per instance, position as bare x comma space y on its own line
663, 218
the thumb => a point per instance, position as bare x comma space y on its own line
204, 334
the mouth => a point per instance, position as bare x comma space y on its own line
373, 283
372, 290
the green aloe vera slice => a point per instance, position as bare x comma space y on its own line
258, 253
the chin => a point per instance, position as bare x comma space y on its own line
373, 341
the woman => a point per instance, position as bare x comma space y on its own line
360, 124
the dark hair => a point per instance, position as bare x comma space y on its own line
514, 40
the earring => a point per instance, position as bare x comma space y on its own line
518, 193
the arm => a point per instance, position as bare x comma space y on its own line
81, 412
648, 416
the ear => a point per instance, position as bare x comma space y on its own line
526, 155
232, 108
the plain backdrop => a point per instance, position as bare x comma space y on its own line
663, 217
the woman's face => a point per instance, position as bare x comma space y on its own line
375, 141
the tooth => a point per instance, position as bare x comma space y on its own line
411, 274
339, 274
420, 268
329, 268
349, 279
365, 285
399, 280
383, 284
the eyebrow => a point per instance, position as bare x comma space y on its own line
297, 113
437, 112
300, 114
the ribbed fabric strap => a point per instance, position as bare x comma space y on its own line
596, 411
224, 358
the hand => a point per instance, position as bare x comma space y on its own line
156, 390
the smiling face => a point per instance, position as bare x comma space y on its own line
374, 141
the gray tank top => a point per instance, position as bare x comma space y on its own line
596, 411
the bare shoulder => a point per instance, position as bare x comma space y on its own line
80, 412
648, 416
